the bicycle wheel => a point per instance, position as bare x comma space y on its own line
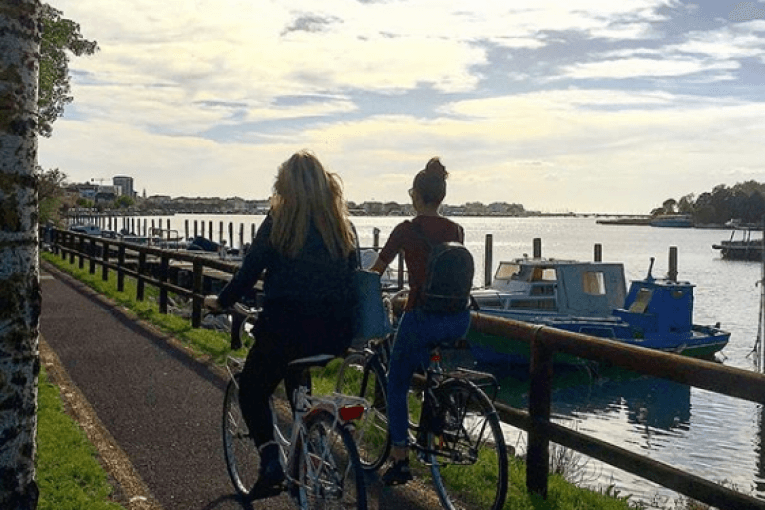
360, 376
242, 459
468, 455
329, 473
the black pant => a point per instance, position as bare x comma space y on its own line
284, 333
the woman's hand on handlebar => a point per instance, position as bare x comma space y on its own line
211, 303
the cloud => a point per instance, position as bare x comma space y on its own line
746, 11
645, 67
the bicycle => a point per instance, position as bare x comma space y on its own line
317, 449
457, 434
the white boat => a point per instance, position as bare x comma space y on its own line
591, 298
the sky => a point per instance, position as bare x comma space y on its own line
578, 106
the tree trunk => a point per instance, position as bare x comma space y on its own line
19, 266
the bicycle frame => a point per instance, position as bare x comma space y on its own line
343, 408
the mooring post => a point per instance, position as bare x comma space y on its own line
537, 248
487, 259
376, 237
598, 253
672, 274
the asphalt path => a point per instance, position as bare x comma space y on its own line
160, 403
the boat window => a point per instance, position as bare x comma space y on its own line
544, 289
594, 283
491, 301
507, 271
643, 298
533, 304
546, 274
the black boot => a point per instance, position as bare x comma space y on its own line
270, 474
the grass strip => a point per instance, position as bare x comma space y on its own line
68, 472
562, 495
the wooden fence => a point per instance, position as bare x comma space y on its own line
544, 342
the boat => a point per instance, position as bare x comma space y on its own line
672, 220
90, 229
742, 248
590, 298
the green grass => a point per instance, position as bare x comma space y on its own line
68, 472
562, 495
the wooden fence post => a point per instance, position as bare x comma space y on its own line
92, 256
163, 271
105, 258
540, 395
140, 283
120, 269
196, 309
80, 249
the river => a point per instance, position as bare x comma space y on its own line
716, 437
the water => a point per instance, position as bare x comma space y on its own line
713, 436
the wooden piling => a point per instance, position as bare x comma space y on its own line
672, 274
487, 259
537, 248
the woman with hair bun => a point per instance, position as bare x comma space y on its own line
419, 331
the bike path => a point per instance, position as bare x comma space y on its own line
161, 405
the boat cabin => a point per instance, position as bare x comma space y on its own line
659, 305
555, 287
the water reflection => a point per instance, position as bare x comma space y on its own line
587, 390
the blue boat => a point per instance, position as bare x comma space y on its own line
589, 298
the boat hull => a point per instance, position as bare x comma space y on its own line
701, 342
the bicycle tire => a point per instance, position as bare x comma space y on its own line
470, 471
242, 459
361, 376
327, 468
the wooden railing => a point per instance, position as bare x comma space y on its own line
544, 343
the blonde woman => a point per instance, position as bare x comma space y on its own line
306, 247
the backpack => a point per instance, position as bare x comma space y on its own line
448, 277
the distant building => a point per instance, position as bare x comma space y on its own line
126, 183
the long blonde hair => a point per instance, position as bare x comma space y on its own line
304, 192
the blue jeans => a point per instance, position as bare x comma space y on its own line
417, 334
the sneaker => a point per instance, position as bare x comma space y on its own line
398, 473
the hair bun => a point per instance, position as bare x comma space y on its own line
436, 168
